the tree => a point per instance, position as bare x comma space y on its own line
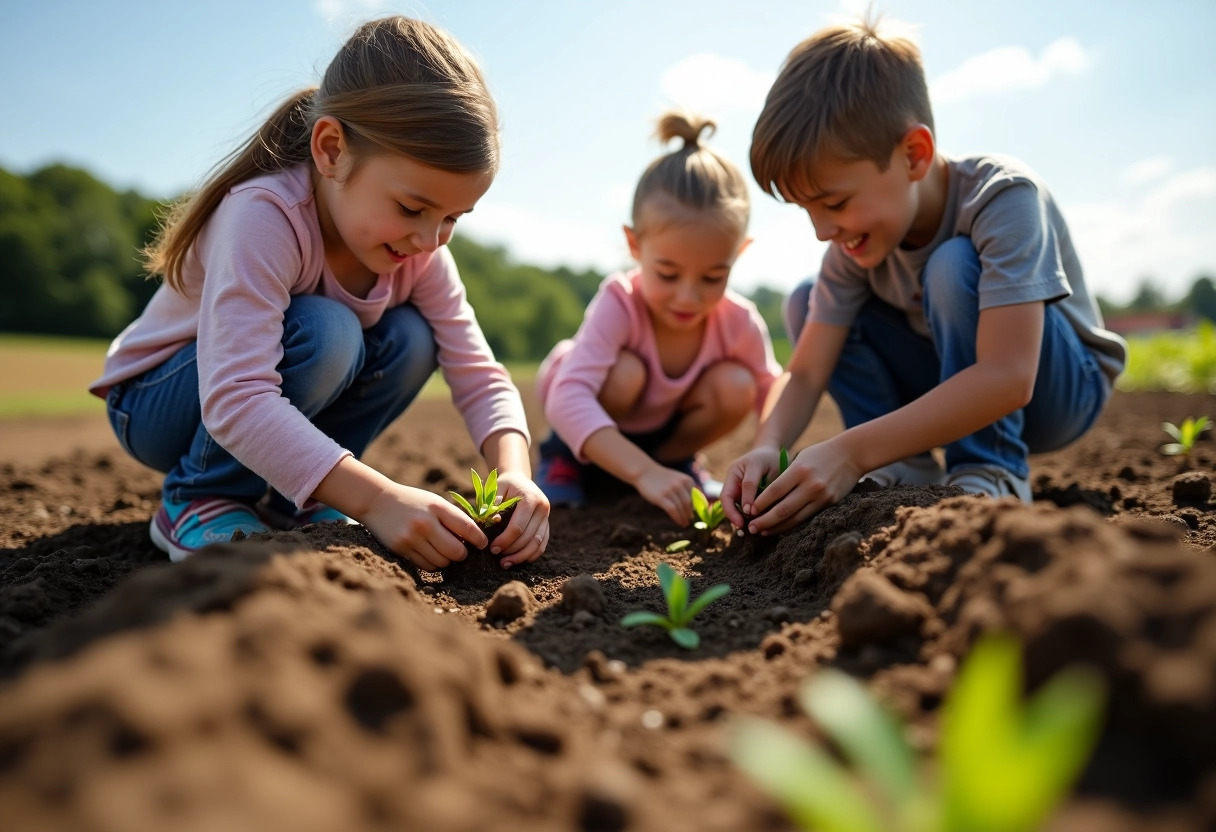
1201, 299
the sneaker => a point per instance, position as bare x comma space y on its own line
992, 480
561, 480
915, 470
695, 468
290, 517
182, 528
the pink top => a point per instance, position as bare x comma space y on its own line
571, 377
262, 246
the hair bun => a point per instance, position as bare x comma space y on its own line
678, 124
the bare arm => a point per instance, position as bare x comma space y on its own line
664, 487
1008, 341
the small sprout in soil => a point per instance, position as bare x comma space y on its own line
709, 515
1002, 764
677, 546
1184, 435
486, 502
783, 462
680, 612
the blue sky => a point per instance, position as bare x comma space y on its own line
1113, 103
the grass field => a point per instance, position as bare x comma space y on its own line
49, 376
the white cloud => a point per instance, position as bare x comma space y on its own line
1146, 170
1010, 68
713, 85
1164, 235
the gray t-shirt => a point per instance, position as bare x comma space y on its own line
1026, 254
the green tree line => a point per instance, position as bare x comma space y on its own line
69, 265
69, 257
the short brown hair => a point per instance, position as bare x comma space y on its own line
849, 93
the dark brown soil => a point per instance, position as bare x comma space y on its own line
315, 682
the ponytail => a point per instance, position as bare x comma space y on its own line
281, 142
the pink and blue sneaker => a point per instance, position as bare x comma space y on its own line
180, 529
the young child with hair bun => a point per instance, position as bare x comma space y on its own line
667, 359
308, 296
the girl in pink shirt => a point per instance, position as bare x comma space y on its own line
308, 296
667, 359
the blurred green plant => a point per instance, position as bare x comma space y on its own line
1003, 765
1182, 362
1184, 435
709, 515
680, 612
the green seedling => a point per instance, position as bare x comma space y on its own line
1184, 435
677, 546
680, 612
1003, 765
709, 515
486, 502
783, 462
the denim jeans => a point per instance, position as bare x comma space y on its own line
886, 364
350, 382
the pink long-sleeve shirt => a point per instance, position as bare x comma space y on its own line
571, 377
261, 247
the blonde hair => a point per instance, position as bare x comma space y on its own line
396, 86
847, 93
695, 176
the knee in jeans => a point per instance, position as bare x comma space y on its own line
323, 333
795, 308
952, 272
419, 353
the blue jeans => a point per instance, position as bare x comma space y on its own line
886, 364
350, 382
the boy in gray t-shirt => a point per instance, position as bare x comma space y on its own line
950, 309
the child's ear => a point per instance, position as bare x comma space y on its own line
327, 145
631, 237
919, 150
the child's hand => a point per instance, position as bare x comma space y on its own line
421, 526
668, 489
817, 478
743, 480
527, 534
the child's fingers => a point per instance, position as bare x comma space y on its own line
461, 525
427, 557
535, 547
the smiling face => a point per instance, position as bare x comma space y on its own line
685, 261
869, 212
378, 213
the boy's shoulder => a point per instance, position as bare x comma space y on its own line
980, 171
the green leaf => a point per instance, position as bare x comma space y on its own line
677, 598
636, 619
506, 504
685, 637
1173, 449
666, 573
812, 787
478, 491
491, 487
463, 503
868, 735
672, 548
700, 526
700, 504
705, 599
783, 461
